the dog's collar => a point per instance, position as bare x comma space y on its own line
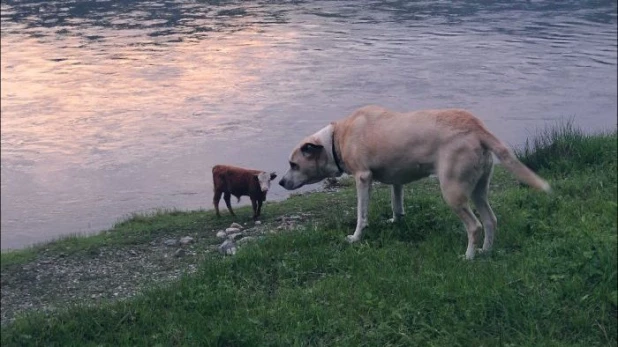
335, 156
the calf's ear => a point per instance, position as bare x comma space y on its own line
311, 149
273, 175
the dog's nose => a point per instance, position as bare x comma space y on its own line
282, 182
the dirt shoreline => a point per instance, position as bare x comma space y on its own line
55, 280
52, 281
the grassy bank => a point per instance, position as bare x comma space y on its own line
550, 281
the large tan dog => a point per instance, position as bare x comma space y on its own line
374, 143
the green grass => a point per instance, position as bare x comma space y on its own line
550, 281
564, 148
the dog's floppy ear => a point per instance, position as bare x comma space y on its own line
311, 149
273, 175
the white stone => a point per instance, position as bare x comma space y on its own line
227, 247
232, 230
170, 242
236, 225
221, 234
186, 240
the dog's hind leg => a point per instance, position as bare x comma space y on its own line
479, 197
363, 192
456, 197
397, 202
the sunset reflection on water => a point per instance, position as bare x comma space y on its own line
80, 102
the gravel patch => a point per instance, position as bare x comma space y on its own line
53, 281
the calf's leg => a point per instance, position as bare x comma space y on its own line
215, 201
226, 197
259, 207
255, 209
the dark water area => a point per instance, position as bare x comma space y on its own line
115, 107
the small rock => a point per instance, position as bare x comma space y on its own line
186, 240
221, 234
295, 217
170, 242
232, 230
236, 225
257, 222
227, 247
132, 252
234, 236
179, 253
246, 239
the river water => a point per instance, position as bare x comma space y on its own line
114, 107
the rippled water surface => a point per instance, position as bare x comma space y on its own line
114, 107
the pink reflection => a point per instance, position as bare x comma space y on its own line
64, 98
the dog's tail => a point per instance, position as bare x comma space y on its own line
510, 161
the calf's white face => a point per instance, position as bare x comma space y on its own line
264, 179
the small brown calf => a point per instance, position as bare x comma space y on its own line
231, 180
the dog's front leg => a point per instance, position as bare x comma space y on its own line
363, 190
396, 202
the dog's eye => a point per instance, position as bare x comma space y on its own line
293, 166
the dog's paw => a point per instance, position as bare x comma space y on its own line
480, 251
351, 238
483, 250
396, 219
